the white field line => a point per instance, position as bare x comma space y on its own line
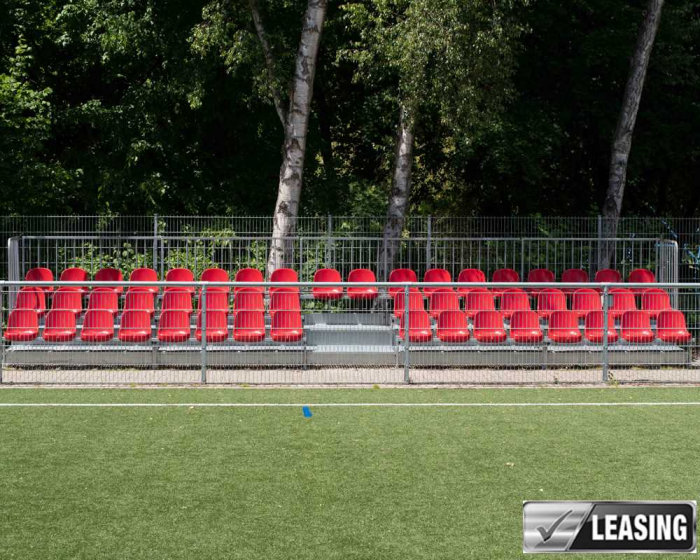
339, 405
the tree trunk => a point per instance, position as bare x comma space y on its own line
400, 192
295, 130
622, 141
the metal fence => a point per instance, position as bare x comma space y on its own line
287, 333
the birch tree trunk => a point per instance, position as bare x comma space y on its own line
295, 131
622, 141
400, 192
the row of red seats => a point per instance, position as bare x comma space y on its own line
563, 327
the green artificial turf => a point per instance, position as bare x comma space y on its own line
350, 483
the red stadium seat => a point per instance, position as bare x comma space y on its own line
525, 328
135, 325
441, 301
415, 302
593, 327
248, 300
654, 301
284, 275
22, 325
98, 325
539, 275
180, 275
636, 327
177, 300
217, 326
585, 300
470, 275
31, 298
110, 275
287, 327
216, 300
608, 275
504, 275
249, 275
452, 327
512, 300
563, 327
419, 329
144, 275
488, 327
74, 274
621, 301
671, 327
68, 299
59, 326
641, 275
140, 301
325, 293
402, 275
249, 326
550, 300
40, 275
479, 299
362, 292
174, 326
285, 300
216, 275
436, 275
573, 275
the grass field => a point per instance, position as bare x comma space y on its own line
350, 482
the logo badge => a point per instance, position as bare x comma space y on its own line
609, 527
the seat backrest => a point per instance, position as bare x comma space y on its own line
622, 299
74, 274
524, 320
506, 275
248, 300
215, 320
23, 319
285, 300
179, 275
362, 275
594, 321
60, 319
452, 319
551, 299
215, 275
39, 275
437, 275
488, 320
139, 301
284, 275
641, 275
144, 275
174, 319
671, 319
286, 320
443, 299
479, 299
31, 298
109, 275
417, 320
608, 275
415, 302
636, 320
514, 299
563, 320
654, 299
248, 275
327, 275
67, 300
586, 299
574, 275
540, 275
403, 275
471, 275
249, 319
135, 319
103, 298
216, 301
177, 300
98, 319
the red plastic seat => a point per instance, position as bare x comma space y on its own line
362, 292
415, 302
504, 275
285, 300
525, 327
110, 275
249, 275
216, 275
593, 327
573, 275
180, 275
671, 327
608, 275
436, 275
539, 275
452, 326
636, 327
470, 275
216, 300
144, 275
563, 327
402, 275
488, 327
621, 301
249, 326
441, 301
284, 275
512, 300
104, 299
177, 300
22, 325
419, 329
68, 299
40, 275
135, 325
174, 326
98, 325
31, 298
59, 326
217, 326
584, 301
325, 293
248, 300
654, 301
140, 301
550, 300
287, 327
74, 274
479, 299
641, 275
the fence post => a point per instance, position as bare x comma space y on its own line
428, 255
203, 329
600, 239
329, 243
2, 319
155, 241
605, 334
406, 344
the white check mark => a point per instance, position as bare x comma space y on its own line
547, 533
